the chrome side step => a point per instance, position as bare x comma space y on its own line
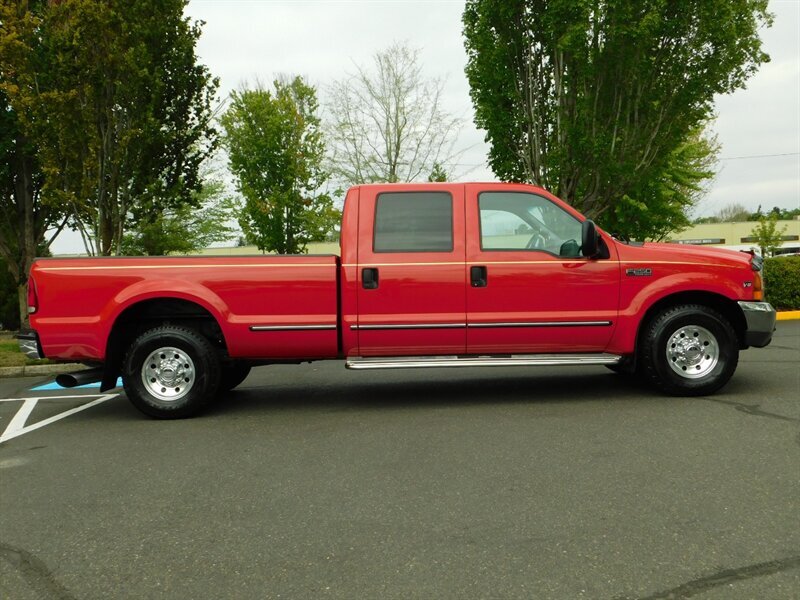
514, 360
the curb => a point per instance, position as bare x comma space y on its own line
788, 315
34, 370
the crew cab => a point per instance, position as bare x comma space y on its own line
429, 275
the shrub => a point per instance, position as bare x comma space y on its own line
782, 282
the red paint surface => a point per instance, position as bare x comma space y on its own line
80, 298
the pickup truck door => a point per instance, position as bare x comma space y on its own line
411, 272
529, 289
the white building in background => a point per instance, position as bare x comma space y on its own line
738, 236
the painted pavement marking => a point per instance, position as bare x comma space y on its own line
54, 386
17, 427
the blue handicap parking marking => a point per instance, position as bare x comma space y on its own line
54, 386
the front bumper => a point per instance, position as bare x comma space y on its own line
760, 318
29, 344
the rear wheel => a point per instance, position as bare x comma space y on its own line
171, 372
689, 350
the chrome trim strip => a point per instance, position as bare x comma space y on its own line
292, 327
482, 325
543, 324
526, 360
555, 261
412, 326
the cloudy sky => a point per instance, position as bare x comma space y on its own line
322, 40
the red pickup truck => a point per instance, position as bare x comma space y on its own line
430, 275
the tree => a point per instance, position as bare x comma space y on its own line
9, 305
438, 173
660, 206
595, 99
388, 124
733, 213
767, 236
275, 149
26, 211
185, 229
127, 121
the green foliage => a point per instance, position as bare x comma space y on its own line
185, 229
782, 282
660, 206
737, 213
438, 173
784, 214
275, 148
111, 94
601, 101
767, 235
26, 213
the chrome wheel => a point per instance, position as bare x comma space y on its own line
168, 373
692, 351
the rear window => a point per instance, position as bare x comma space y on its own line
414, 222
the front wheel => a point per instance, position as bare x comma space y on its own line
171, 372
689, 350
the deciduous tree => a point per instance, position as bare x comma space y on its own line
126, 120
660, 206
387, 123
185, 228
594, 99
26, 210
768, 236
275, 149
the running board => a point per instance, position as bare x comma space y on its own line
515, 360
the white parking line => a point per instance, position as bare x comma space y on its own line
17, 426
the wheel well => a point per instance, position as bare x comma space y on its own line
146, 314
726, 307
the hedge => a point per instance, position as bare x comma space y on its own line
782, 282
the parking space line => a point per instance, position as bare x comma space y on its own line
17, 425
18, 422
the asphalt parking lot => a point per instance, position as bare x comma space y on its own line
314, 482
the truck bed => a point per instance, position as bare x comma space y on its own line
269, 306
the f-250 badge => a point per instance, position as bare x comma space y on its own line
639, 272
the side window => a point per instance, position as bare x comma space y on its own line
413, 222
522, 221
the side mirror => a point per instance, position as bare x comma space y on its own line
590, 241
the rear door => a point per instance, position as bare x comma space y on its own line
411, 270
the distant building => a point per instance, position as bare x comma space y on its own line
737, 236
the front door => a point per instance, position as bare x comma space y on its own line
411, 272
530, 289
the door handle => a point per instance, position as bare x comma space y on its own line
369, 278
478, 276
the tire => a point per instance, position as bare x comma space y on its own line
689, 350
233, 374
171, 372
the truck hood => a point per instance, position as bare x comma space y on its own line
657, 251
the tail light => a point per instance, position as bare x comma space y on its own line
33, 298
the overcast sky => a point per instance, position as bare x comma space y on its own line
245, 40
